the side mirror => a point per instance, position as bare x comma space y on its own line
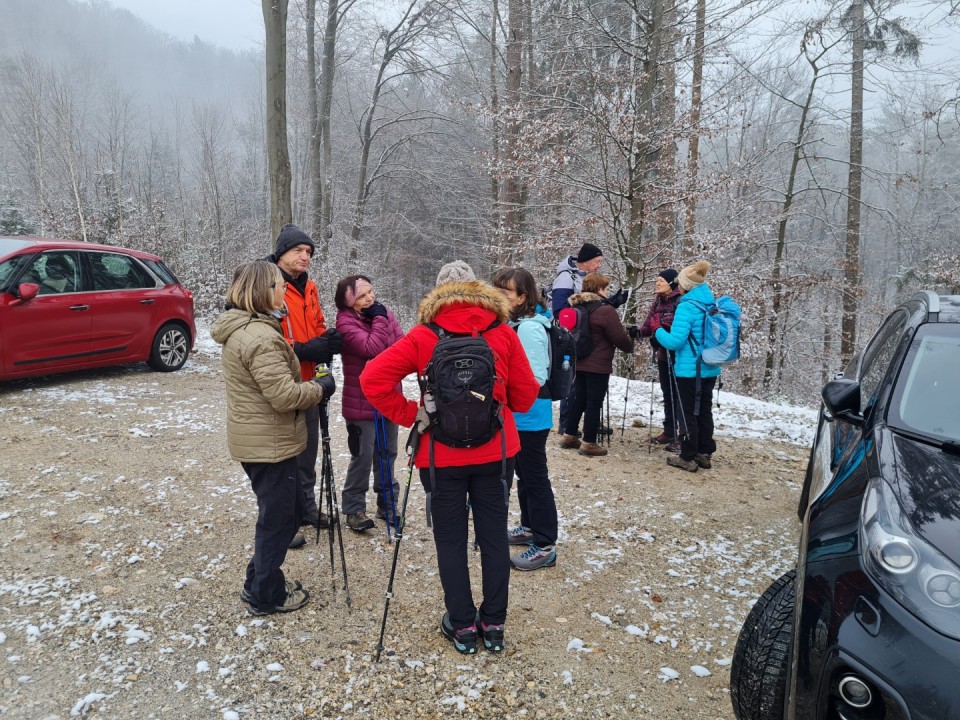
25, 291
841, 398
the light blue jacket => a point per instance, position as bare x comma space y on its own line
532, 332
687, 322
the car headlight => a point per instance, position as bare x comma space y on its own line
913, 571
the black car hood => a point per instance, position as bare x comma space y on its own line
927, 482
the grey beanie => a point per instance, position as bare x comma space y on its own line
290, 236
456, 271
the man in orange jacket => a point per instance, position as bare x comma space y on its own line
304, 328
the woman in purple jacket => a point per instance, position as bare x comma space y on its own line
368, 329
661, 316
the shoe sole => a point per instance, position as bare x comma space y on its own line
248, 599
280, 608
538, 567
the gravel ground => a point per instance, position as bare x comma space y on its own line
125, 529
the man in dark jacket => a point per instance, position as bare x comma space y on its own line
304, 328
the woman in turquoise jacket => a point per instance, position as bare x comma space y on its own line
538, 508
685, 339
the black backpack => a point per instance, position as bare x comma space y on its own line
563, 362
577, 320
460, 376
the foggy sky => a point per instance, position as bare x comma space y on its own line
232, 24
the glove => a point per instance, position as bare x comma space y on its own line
375, 310
326, 381
619, 298
633, 331
334, 340
422, 422
314, 350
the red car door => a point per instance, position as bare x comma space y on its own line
123, 305
51, 331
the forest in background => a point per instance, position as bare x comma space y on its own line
510, 132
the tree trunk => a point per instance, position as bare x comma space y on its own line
316, 169
495, 124
851, 259
278, 157
696, 100
326, 101
513, 209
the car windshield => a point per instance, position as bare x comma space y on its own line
925, 397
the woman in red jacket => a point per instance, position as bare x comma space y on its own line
460, 304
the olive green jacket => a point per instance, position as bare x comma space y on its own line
265, 396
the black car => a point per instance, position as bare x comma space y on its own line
867, 627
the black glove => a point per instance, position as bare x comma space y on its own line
633, 331
375, 310
334, 340
315, 349
325, 380
619, 298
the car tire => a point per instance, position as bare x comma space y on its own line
758, 674
171, 346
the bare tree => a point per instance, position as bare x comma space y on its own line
278, 157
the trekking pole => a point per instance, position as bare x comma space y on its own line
650, 423
606, 406
412, 442
333, 510
382, 443
626, 394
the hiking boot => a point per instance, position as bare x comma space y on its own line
492, 635
673, 447
678, 462
360, 522
569, 442
662, 439
604, 430
703, 461
295, 600
288, 586
463, 639
519, 536
380, 514
535, 557
592, 450
299, 540
311, 520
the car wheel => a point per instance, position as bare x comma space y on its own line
171, 346
758, 675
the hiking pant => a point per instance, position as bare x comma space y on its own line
483, 486
566, 403
280, 510
307, 463
699, 437
588, 403
361, 440
538, 508
669, 399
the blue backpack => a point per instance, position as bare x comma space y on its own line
721, 332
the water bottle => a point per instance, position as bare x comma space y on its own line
566, 362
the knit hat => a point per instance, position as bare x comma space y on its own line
693, 275
456, 271
588, 251
290, 236
670, 275
351, 294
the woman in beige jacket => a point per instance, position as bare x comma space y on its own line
265, 425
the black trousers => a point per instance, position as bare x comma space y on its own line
538, 508
699, 437
591, 390
664, 372
483, 486
307, 463
280, 507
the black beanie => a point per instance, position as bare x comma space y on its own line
670, 275
588, 252
290, 236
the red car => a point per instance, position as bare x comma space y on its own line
68, 305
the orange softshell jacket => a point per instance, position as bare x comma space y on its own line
304, 320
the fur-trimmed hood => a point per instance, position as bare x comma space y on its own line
463, 306
582, 298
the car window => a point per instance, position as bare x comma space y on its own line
162, 272
113, 271
878, 355
925, 398
9, 269
55, 271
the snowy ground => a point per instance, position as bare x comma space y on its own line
125, 528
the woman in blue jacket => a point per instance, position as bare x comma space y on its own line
538, 508
685, 339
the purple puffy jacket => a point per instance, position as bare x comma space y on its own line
362, 340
